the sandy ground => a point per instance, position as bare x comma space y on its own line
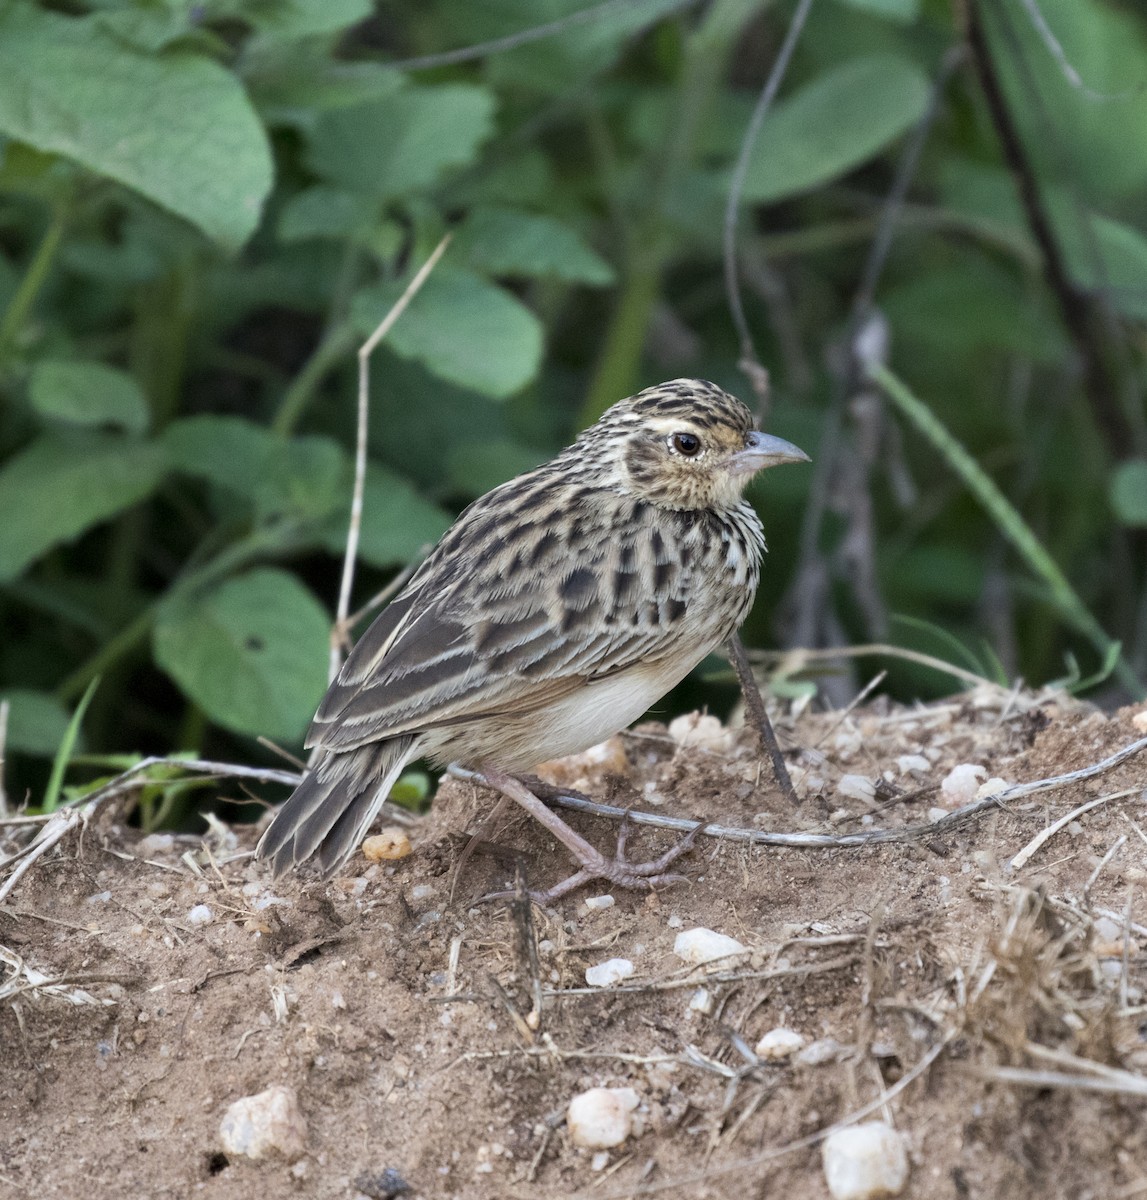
995, 1016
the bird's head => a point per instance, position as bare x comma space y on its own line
687, 444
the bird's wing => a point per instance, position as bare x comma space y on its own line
517, 607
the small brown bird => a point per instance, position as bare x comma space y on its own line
552, 614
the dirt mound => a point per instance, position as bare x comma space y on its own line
994, 1014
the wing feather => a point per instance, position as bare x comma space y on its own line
517, 607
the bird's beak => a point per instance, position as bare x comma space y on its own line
763, 450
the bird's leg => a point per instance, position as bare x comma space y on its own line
758, 715
594, 864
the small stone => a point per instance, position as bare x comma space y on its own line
701, 1001
596, 902
865, 1162
856, 787
1139, 720
265, 1125
200, 915
700, 945
674, 921
612, 971
153, 844
913, 764
960, 785
701, 731
392, 842
824, 1050
779, 1044
421, 891
937, 814
599, 1161
601, 1117
991, 787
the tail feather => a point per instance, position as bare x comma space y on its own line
328, 814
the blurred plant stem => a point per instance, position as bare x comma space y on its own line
336, 343
34, 277
1008, 521
647, 244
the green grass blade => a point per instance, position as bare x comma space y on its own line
1007, 520
64, 752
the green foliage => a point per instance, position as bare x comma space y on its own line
249, 652
205, 207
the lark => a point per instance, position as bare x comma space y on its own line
556, 610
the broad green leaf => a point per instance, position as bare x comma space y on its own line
834, 124
1129, 492
322, 211
303, 18
59, 486
476, 464
462, 329
565, 60
396, 521
294, 82
228, 451
1097, 145
903, 11
1102, 255
37, 721
503, 241
88, 393
401, 143
252, 653
300, 479
177, 127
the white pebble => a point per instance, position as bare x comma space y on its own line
856, 787
269, 1123
1107, 930
937, 814
778, 1044
594, 902
702, 731
602, 1117
991, 787
824, 1050
599, 1161
700, 945
912, 764
421, 891
612, 971
674, 921
701, 1001
960, 785
153, 844
865, 1162
200, 915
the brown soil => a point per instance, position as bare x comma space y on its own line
339, 991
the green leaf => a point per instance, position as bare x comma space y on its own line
1129, 492
60, 486
462, 329
304, 18
401, 143
396, 521
252, 653
37, 721
64, 752
834, 124
322, 211
475, 465
504, 241
88, 393
301, 479
902, 11
177, 128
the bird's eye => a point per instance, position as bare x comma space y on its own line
688, 444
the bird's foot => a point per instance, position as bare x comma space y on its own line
593, 864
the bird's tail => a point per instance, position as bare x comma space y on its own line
328, 814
